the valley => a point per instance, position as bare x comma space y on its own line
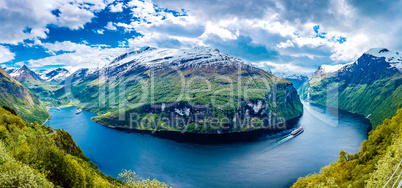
272, 160
178, 93
201, 96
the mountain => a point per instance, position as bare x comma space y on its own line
17, 97
39, 83
296, 78
55, 75
78, 75
373, 166
370, 86
24, 74
190, 87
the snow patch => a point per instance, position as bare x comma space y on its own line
182, 112
177, 58
56, 74
394, 58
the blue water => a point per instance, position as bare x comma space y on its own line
270, 162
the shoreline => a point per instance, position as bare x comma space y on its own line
224, 138
338, 109
202, 138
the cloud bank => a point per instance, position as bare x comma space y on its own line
297, 35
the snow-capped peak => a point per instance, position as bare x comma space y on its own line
18, 71
330, 68
190, 57
327, 69
55, 75
394, 58
383, 52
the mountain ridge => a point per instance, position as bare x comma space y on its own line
369, 85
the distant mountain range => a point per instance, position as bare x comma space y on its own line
370, 86
49, 75
296, 78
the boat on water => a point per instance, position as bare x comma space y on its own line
58, 108
78, 111
297, 131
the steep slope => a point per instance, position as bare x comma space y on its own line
370, 86
39, 83
14, 95
32, 155
189, 87
373, 166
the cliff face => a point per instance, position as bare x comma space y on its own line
14, 95
250, 115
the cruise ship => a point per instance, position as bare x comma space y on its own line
297, 131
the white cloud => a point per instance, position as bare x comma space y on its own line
5, 54
127, 27
286, 44
17, 16
100, 31
77, 55
110, 26
142, 9
372, 24
280, 26
116, 8
73, 17
221, 32
281, 67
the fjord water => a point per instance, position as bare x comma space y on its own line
268, 162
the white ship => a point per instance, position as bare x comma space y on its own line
297, 131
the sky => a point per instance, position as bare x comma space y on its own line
280, 35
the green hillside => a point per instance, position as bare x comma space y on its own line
379, 99
32, 155
373, 166
25, 103
284, 104
369, 87
196, 89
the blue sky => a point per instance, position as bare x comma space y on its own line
290, 35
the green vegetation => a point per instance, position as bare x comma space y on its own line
45, 90
218, 90
373, 166
27, 104
32, 155
380, 98
132, 180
